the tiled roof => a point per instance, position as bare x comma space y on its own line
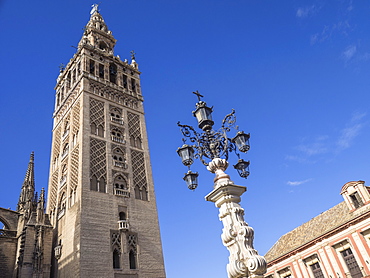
316, 227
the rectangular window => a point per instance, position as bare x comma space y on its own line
101, 70
124, 80
351, 263
74, 76
356, 200
316, 270
133, 84
112, 73
92, 67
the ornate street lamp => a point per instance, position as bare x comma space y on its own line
212, 148
191, 179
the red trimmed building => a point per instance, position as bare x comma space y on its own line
334, 244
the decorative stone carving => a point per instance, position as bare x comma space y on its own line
237, 236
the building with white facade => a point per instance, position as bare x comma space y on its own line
334, 244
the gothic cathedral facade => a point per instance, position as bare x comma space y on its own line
101, 207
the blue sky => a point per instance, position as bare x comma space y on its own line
296, 72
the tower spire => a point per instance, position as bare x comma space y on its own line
26, 198
96, 33
41, 207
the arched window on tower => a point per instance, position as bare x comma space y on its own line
132, 247
132, 259
100, 131
144, 194
141, 193
74, 139
92, 67
65, 151
101, 70
98, 184
94, 183
113, 73
93, 128
137, 192
101, 185
69, 80
135, 142
121, 187
117, 136
116, 116
133, 85
72, 196
66, 130
62, 205
116, 259
124, 81
102, 45
63, 179
119, 158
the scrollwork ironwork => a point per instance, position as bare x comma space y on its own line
211, 144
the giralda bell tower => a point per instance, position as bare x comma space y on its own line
101, 194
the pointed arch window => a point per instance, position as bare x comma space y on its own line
116, 259
98, 184
94, 183
144, 194
132, 258
102, 185
116, 249
132, 247
97, 130
141, 193
135, 142
93, 128
100, 131
137, 192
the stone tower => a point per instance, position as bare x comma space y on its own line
101, 195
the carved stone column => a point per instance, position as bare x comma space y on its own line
237, 236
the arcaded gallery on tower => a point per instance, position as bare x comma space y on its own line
101, 216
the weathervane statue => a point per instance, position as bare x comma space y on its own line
213, 148
95, 8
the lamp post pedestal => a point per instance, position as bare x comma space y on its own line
237, 236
